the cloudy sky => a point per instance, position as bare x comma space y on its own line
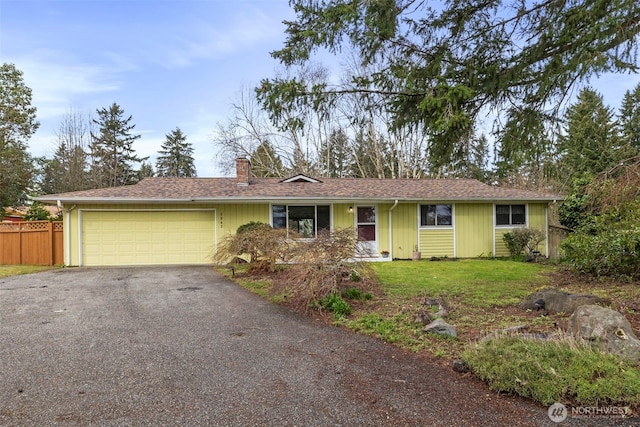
167, 63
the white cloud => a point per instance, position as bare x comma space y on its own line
57, 80
207, 40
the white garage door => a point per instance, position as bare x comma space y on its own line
147, 237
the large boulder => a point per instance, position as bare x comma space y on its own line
610, 330
555, 301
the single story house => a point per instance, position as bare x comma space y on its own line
182, 220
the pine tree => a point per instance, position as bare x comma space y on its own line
443, 65
591, 143
335, 155
265, 162
17, 124
146, 171
113, 158
630, 118
176, 156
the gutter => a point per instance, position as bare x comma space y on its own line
67, 232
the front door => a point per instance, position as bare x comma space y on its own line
366, 226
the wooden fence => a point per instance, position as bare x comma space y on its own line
31, 243
557, 234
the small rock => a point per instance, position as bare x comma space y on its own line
459, 365
439, 326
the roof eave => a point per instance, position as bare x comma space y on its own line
272, 199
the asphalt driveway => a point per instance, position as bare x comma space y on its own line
184, 346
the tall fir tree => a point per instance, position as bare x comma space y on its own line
17, 124
335, 155
444, 65
629, 118
591, 143
266, 163
176, 156
113, 159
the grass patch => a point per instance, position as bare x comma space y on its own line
397, 329
476, 282
555, 371
14, 270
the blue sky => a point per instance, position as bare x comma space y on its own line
167, 63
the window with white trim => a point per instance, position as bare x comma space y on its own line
436, 215
511, 215
305, 221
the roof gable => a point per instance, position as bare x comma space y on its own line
300, 178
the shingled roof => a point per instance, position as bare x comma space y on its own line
188, 190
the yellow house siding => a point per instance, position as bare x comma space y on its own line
536, 218
501, 248
230, 217
473, 229
342, 218
405, 229
435, 242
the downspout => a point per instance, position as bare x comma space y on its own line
67, 233
391, 230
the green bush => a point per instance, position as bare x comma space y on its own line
252, 225
523, 240
609, 246
37, 212
334, 303
554, 371
574, 211
356, 294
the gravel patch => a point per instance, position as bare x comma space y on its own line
184, 346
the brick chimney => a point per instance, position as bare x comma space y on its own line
243, 171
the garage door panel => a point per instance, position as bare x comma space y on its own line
155, 237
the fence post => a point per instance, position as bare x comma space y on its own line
50, 234
20, 234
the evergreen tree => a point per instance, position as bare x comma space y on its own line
473, 159
176, 156
17, 124
444, 65
113, 158
591, 143
265, 162
335, 155
630, 118
523, 150
146, 171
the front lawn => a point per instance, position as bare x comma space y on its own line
482, 296
474, 282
